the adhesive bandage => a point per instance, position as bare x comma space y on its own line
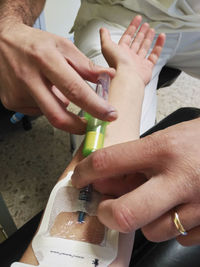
62, 241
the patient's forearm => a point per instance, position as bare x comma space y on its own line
126, 94
75, 160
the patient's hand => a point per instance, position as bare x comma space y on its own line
132, 53
67, 226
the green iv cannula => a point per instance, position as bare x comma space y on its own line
94, 140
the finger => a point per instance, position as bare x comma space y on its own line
141, 206
22, 103
119, 186
25, 108
153, 57
31, 111
67, 80
191, 239
128, 35
164, 228
107, 46
105, 39
82, 64
137, 155
137, 42
18, 99
60, 96
55, 112
146, 43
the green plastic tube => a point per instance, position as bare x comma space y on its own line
94, 138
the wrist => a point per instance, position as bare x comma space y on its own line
7, 23
10, 30
11, 14
129, 74
21, 11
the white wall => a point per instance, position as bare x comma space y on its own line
60, 15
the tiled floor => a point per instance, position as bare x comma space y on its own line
31, 162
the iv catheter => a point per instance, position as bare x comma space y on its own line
94, 139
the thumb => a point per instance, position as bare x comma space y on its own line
107, 46
82, 64
91, 71
105, 38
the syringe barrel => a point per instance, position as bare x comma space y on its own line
94, 138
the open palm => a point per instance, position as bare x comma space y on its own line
133, 49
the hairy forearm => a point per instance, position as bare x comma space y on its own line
25, 11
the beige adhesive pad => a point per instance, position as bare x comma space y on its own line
66, 226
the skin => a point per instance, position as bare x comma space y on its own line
126, 55
66, 226
41, 73
149, 179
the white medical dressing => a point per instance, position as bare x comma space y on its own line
58, 244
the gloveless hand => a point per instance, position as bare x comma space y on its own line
132, 51
41, 72
151, 178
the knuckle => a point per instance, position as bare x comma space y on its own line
39, 51
124, 217
65, 43
73, 92
185, 189
159, 141
35, 49
151, 235
170, 142
92, 66
15, 100
7, 103
58, 121
99, 160
162, 144
152, 143
194, 186
23, 74
185, 241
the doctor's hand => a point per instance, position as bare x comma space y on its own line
146, 181
41, 72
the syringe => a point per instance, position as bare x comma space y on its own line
94, 139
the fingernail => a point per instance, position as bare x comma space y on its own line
112, 115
